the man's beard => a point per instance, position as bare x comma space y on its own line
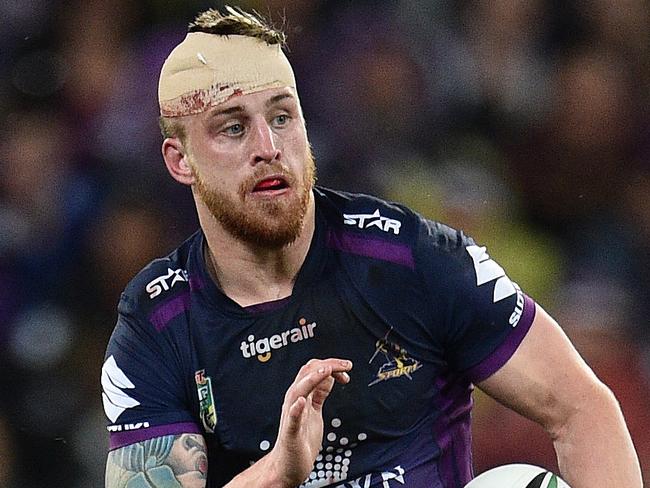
270, 223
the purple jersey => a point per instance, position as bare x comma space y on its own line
421, 310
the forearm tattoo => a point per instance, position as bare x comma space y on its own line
171, 461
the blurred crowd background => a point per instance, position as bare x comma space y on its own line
523, 122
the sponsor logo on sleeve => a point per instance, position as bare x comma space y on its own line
487, 270
165, 282
375, 219
125, 427
519, 307
114, 382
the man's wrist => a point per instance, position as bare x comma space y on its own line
267, 472
277, 472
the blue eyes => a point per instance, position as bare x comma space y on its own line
282, 119
234, 129
238, 129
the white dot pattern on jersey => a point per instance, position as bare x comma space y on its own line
327, 472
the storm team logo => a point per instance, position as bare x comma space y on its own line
397, 361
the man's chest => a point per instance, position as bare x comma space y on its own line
251, 362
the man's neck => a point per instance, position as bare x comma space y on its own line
251, 274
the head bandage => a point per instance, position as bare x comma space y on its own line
207, 69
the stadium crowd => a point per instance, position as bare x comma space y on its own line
523, 122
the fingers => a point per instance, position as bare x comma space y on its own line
341, 377
321, 392
312, 374
312, 386
301, 422
315, 371
295, 413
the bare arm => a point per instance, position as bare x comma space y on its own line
171, 461
180, 461
547, 381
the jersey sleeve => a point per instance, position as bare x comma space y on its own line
486, 315
143, 391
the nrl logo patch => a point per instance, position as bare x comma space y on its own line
397, 361
207, 412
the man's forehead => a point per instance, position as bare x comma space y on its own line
253, 101
207, 70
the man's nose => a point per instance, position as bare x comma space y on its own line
263, 144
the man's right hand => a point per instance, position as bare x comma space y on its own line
301, 426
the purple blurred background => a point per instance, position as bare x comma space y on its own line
523, 122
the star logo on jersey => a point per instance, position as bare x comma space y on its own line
114, 382
164, 282
397, 361
375, 219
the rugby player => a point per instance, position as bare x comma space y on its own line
309, 337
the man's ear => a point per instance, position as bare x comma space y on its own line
176, 159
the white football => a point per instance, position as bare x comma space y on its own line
517, 476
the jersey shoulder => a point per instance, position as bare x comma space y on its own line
372, 216
367, 215
440, 241
161, 279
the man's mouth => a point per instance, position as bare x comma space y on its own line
272, 183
